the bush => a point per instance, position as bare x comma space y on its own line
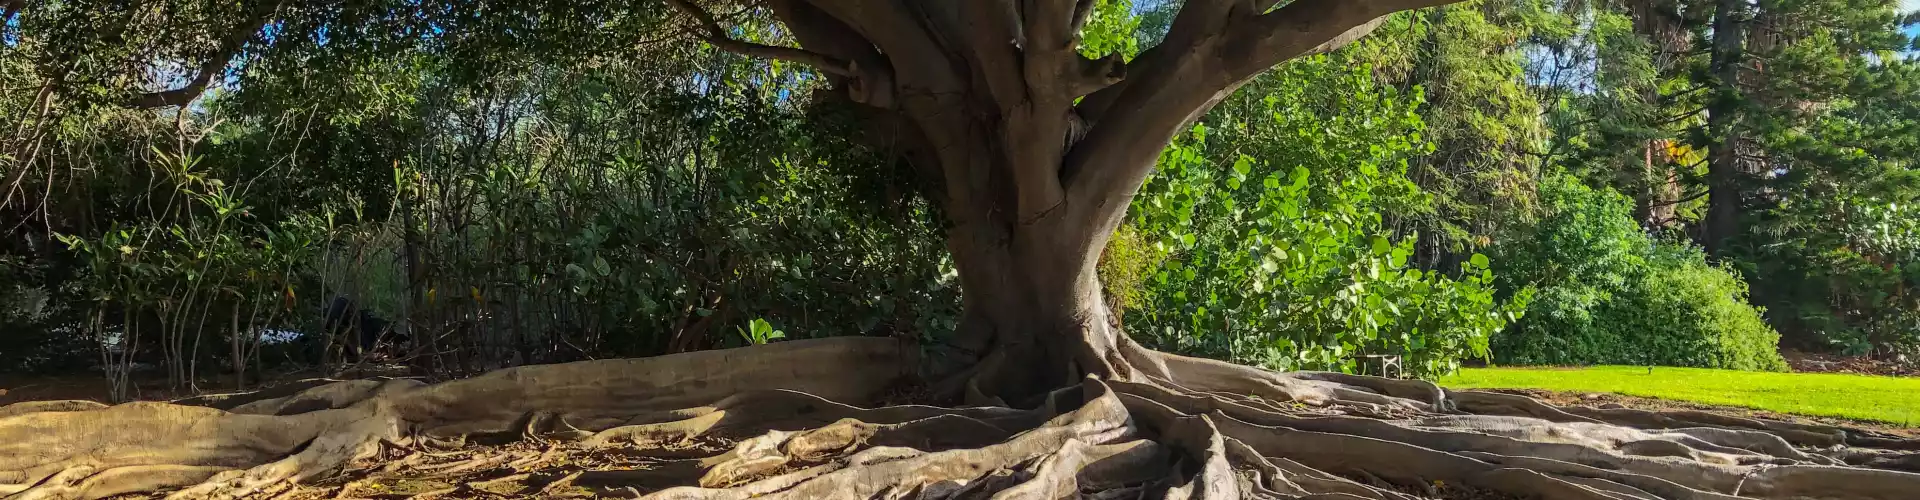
605, 210
1282, 259
1608, 293
1843, 283
1687, 312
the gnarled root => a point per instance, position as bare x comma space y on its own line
774, 421
48, 453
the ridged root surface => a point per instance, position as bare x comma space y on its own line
780, 421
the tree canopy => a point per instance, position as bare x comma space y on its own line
1152, 248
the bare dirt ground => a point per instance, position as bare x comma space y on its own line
526, 466
1833, 363
519, 466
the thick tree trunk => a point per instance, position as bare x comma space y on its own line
1725, 173
1034, 319
1033, 308
1659, 193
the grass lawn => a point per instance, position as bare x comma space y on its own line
1862, 397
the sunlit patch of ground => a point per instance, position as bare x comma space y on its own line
1887, 400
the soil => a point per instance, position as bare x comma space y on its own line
1807, 362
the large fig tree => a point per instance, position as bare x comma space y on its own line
1035, 151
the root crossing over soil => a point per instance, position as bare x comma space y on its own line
786, 420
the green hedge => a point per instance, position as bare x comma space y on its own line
1607, 293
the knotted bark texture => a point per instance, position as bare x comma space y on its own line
776, 421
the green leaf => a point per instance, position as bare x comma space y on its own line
1479, 260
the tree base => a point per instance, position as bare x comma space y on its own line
764, 422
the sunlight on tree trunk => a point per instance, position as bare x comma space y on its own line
1036, 152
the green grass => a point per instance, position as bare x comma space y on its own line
1861, 397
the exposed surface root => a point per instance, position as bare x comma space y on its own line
780, 421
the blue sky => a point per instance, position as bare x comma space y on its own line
1910, 6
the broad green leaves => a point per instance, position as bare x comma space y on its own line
1299, 270
759, 331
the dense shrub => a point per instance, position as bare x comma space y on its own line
1268, 236
1845, 283
35, 319
1608, 293
556, 213
1687, 312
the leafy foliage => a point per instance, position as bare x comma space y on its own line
501, 206
547, 181
1816, 128
1282, 258
1607, 293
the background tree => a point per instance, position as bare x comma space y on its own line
544, 181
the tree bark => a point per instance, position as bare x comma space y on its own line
1037, 149
230, 45
1033, 194
12, 8
1725, 173
1030, 301
1657, 183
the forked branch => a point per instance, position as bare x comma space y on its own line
1211, 48
214, 65
717, 36
13, 7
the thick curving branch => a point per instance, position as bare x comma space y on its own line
1211, 49
768, 422
921, 65
717, 36
1307, 27
13, 8
214, 65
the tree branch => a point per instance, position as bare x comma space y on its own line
1096, 74
229, 46
1682, 116
1082, 11
1306, 27
1212, 47
13, 8
1047, 24
983, 33
918, 60
1688, 198
1196, 23
717, 36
